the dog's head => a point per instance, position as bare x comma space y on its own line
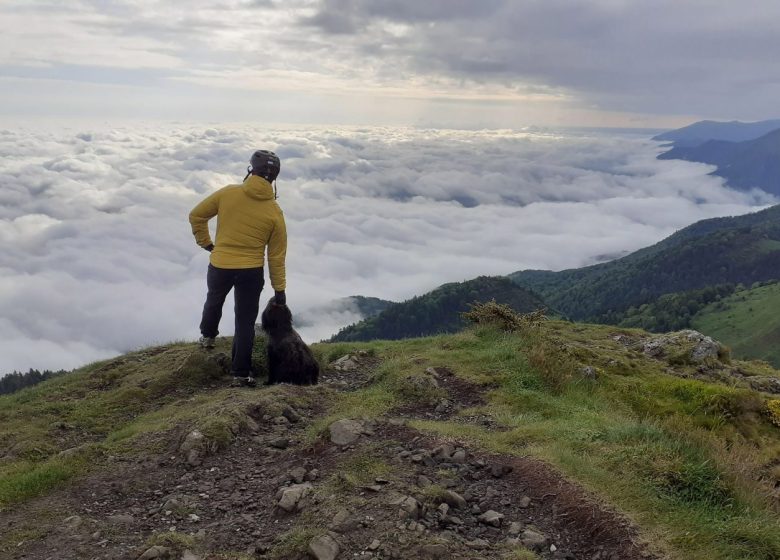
276, 317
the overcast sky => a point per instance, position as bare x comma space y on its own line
460, 63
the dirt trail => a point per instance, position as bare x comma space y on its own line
393, 493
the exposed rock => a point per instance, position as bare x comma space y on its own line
73, 522
443, 452
478, 544
193, 447
417, 383
454, 499
443, 406
297, 475
434, 551
423, 481
654, 348
324, 547
410, 507
525, 501
459, 456
491, 517
700, 348
290, 497
765, 384
121, 519
345, 432
280, 443
589, 372
189, 555
375, 544
156, 552
73, 451
292, 415
499, 471
346, 363
515, 528
706, 348
533, 540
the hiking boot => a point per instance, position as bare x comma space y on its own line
207, 342
243, 382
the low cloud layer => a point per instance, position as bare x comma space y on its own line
98, 257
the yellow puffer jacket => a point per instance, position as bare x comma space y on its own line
248, 221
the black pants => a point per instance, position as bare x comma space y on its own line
248, 283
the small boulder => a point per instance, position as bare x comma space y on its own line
410, 507
73, 522
434, 552
346, 363
297, 475
706, 348
345, 432
459, 456
533, 540
478, 544
453, 499
121, 519
156, 552
324, 547
289, 498
491, 517
193, 448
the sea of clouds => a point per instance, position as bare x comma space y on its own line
97, 256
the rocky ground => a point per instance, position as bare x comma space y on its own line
362, 489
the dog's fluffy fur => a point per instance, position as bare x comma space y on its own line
289, 359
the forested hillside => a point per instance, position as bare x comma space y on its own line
439, 311
743, 249
748, 321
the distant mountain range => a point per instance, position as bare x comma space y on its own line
439, 311
700, 132
747, 155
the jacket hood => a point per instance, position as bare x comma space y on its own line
258, 188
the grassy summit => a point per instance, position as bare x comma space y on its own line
591, 418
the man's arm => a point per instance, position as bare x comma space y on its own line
277, 252
199, 219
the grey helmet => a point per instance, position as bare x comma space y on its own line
266, 164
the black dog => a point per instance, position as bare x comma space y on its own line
289, 359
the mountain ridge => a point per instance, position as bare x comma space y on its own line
742, 249
439, 311
702, 131
745, 165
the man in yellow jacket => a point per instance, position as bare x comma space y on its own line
249, 221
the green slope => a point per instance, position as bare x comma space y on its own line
439, 311
743, 249
748, 321
691, 460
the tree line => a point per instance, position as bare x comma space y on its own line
14, 381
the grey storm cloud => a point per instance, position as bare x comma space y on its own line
714, 58
98, 257
662, 56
